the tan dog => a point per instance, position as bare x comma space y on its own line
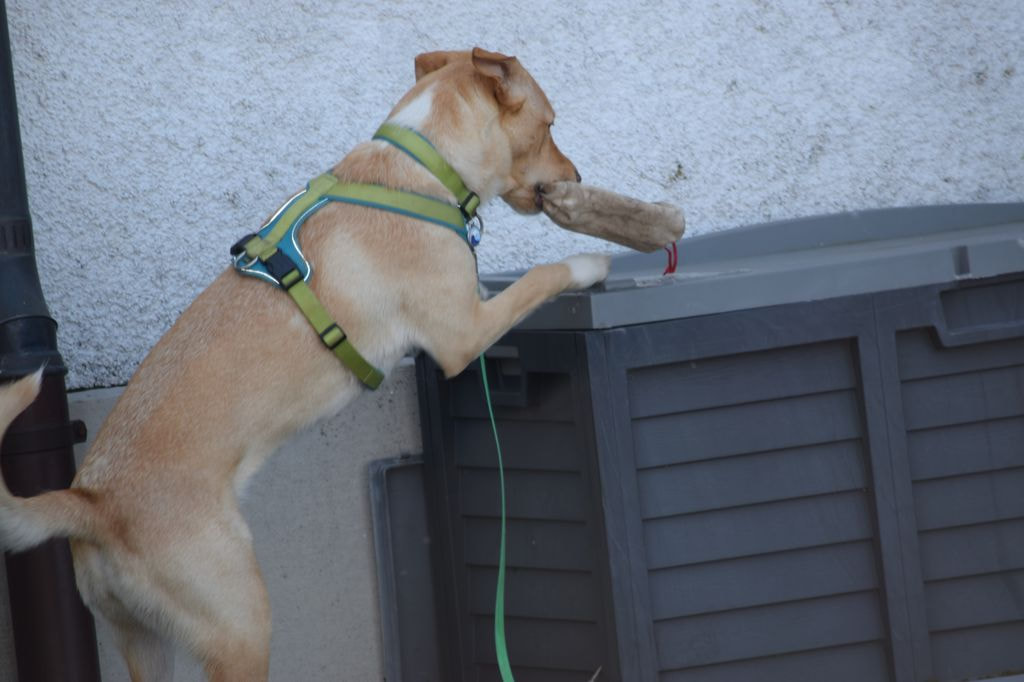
160, 547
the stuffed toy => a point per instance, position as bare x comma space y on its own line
613, 217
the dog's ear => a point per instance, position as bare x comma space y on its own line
429, 62
503, 71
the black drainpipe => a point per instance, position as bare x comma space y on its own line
54, 635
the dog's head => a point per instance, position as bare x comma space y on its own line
512, 116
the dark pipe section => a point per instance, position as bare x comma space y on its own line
54, 635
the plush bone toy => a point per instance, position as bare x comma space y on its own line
637, 224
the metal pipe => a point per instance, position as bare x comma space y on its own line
54, 635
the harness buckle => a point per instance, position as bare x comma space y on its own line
239, 247
469, 205
332, 336
280, 267
239, 254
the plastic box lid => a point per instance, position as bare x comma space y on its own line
794, 261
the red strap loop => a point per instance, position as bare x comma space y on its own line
673, 259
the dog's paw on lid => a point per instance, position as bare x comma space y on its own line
587, 269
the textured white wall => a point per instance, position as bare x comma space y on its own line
155, 134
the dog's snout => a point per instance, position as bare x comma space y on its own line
538, 196
573, 171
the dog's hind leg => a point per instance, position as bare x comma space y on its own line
239, 661
204, 592
229, 608
239, 651
148, 653
150, 656
213, 601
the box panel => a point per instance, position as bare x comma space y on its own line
978, 652
851, 663
833, 621
770, 425
964, 410
557, 623
763, 579
752, 479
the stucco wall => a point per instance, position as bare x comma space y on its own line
155, 134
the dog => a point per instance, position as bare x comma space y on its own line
160, 547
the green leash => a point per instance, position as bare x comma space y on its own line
500, 647
419, 148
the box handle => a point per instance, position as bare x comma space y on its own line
981, 313
507, 378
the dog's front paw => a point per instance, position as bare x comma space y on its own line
587, 269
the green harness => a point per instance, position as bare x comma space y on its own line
273, 253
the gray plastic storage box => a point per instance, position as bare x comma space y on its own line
800, 458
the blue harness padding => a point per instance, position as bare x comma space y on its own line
289, 243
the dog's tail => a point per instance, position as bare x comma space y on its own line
28, 521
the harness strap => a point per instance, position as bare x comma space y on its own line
420, 148
326, 187
332, 335
286, 273
401, 202
289, 214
